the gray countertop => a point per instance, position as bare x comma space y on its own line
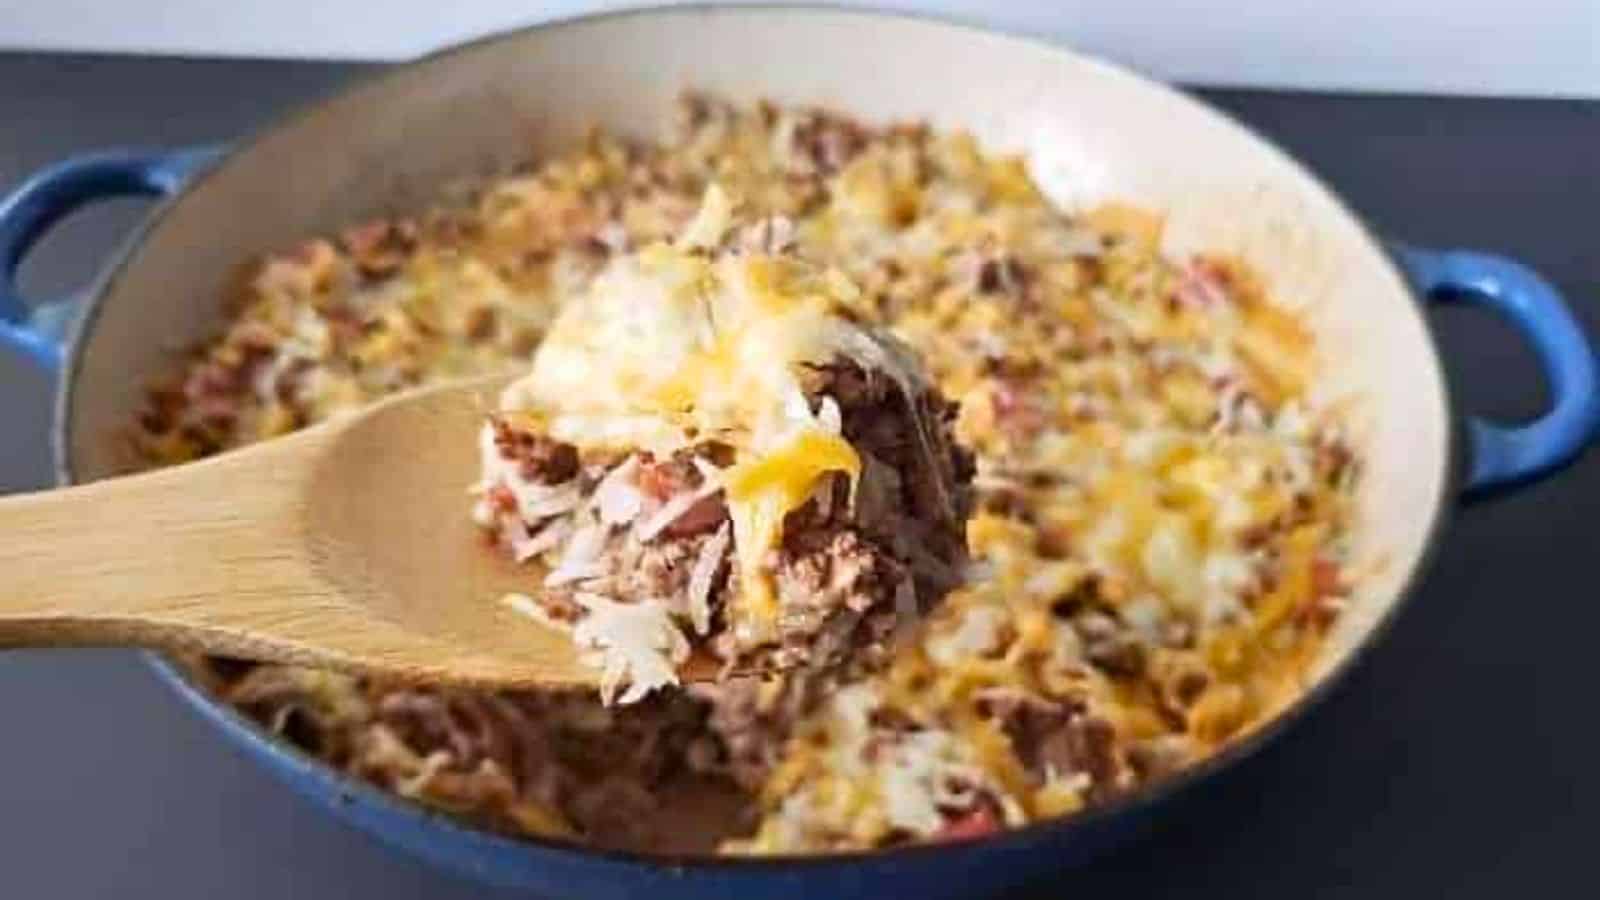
1459, 760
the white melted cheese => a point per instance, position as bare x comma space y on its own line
636, 644
924, 772
977, 632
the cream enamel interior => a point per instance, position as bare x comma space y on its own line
1090, 131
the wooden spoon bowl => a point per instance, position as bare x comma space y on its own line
348, 545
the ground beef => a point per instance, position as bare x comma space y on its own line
217, 389
539, 458
752, 717
1179, 679
619, 777
663, 569
381, 247
1002, 274
824, 143
1085, 743
289, 380
480, 324
1109, 645
836, 583
934, 471
1064, 739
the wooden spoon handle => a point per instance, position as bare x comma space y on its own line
345, 546
220, 557
184, 557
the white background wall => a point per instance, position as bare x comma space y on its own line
1517, 47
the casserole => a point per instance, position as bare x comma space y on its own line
1068, 112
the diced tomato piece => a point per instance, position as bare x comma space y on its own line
657, 480
502, 499
1016, 411
977, 823
1203, 283
1325, 580
703, 516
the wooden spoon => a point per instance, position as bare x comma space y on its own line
348, 545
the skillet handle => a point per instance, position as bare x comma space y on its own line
1504, 456
49, 195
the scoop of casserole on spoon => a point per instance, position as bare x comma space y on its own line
710, 468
